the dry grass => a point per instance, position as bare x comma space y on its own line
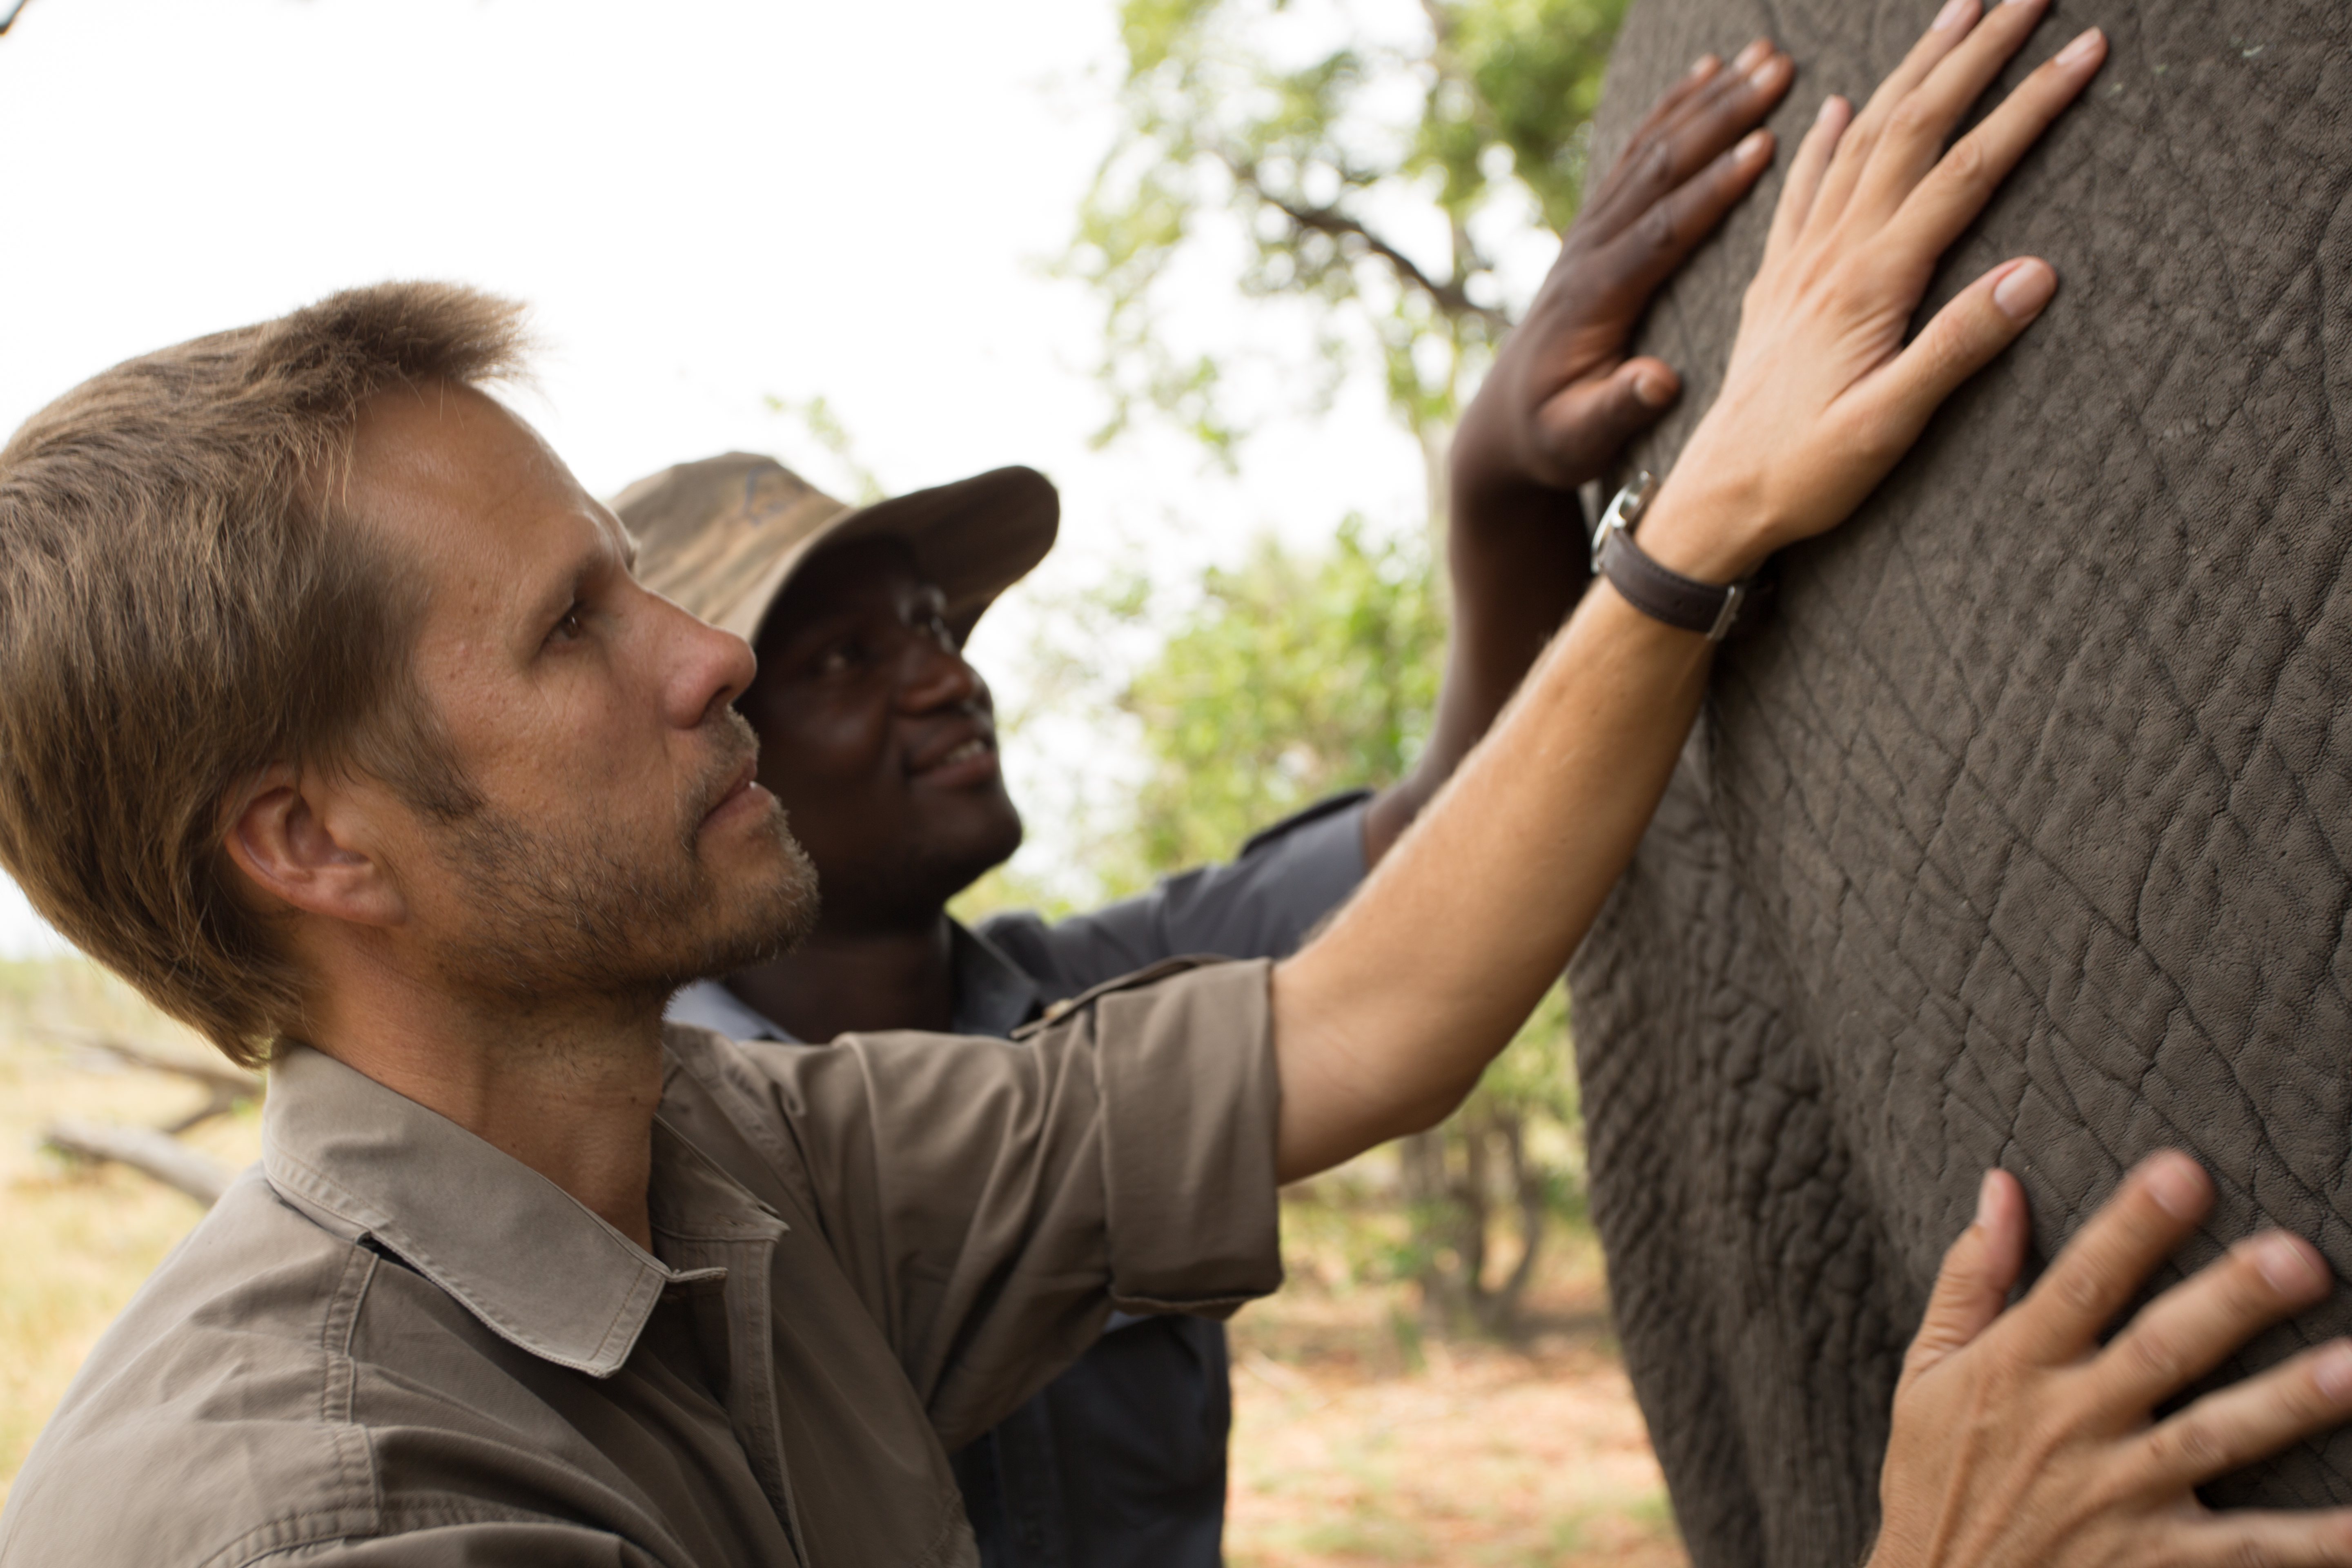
77, 1240
1357, 1442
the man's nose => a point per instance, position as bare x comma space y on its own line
707, 668
937, 676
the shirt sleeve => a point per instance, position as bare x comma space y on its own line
476, 1545
1260, 904
990, 1202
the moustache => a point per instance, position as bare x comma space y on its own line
733, 745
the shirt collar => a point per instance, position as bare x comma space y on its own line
536, 1266
708, 1004
992, 996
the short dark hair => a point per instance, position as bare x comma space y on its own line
182, 604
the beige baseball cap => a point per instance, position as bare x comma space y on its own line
722, 537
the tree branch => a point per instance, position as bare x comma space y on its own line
144, 1149
1450, 297
221, 1077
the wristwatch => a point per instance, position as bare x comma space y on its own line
1660, 591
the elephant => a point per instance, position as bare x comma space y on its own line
2018, 835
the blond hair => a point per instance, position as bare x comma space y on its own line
182, 606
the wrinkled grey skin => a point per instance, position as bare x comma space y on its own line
2021, 834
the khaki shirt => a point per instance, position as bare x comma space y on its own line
391, 1345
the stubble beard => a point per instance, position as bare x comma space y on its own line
562, 914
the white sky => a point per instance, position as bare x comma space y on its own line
705, 203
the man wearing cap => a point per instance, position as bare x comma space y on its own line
878, 737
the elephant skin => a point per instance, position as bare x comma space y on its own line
2020, 835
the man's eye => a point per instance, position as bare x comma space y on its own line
569, 628
938, 626
838, 659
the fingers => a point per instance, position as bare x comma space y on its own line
1951, 26
1973, 1284
1937, 208
1963, 338
2246, 1421
1647, 253
1917, 125
1704, 69
1690, 128
2158, 1203
2185, 1333
2311, 1540
1805, 172
1583, 424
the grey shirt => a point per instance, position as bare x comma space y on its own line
391, 1346
1120, 1462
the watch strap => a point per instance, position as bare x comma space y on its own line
1664, 593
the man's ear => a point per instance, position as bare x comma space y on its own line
301, 839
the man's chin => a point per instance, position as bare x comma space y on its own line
761, 921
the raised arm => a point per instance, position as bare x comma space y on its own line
1386, 1022
1562, 398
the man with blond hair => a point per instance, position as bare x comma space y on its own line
331, 713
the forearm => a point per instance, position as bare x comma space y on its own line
1516, 564
1385, 1021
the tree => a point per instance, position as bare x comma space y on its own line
1385, 160
1286, 680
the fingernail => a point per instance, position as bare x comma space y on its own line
2173, 1180
2025, 291
2285, 1263
1984, 1200
2333, 1373
1764, 72
1752, 146
1949, 17
1652, 388
2079, 49
1703, 65
1830, 105
1750, 54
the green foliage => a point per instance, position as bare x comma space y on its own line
1378, 160
1290, 680
1378, 155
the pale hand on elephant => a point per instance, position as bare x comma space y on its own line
2020, 1441
1821, 396
1562, 397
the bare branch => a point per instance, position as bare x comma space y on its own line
1450, 297
222, 1078
146, 1150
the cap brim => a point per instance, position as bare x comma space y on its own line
973, 538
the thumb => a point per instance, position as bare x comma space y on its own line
1585, 424
1973, 1285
